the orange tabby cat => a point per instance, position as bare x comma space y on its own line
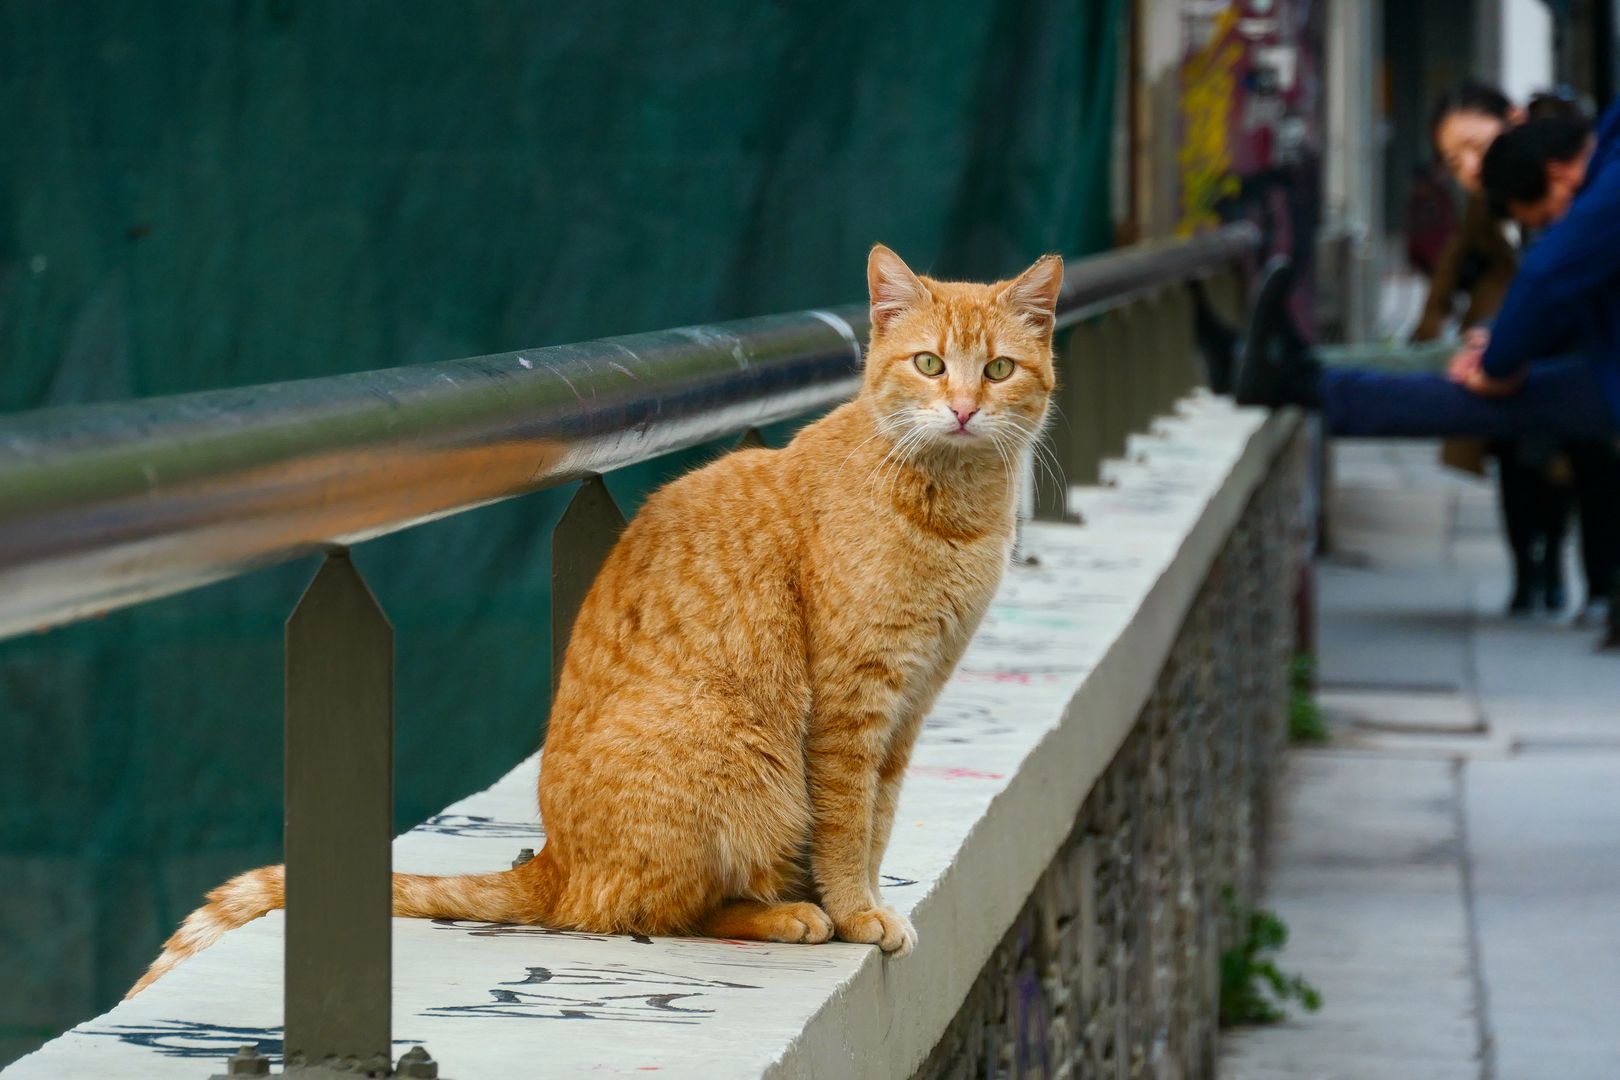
749, 671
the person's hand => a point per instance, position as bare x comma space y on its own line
1467, 368
1489, 386
1465, 361
1464, 364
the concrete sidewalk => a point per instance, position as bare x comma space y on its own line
1449, 865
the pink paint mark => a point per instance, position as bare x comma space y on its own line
1022, 678
952, 772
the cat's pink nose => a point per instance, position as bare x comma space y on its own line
963, 416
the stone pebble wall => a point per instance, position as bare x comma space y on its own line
1112, 968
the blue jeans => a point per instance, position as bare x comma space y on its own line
1559, 397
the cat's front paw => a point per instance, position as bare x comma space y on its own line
884, 927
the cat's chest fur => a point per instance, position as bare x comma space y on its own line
904, 595
948, 585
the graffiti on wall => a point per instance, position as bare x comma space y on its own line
1251, 111
1208, 87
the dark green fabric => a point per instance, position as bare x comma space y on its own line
203, 193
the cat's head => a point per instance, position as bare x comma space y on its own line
958, 367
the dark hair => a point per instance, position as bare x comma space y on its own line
1550, 104
1515, 167
1469, 97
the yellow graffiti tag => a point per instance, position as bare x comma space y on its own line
1208, 80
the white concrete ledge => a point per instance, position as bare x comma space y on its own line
1050, 687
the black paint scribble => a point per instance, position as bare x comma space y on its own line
486, 828
892, 882
193, 1039
1015, 671
616, 975
632, 1008
1100, 595
1105, 564
954, 722
474, 928
196, 1040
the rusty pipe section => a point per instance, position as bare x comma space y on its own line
103, 506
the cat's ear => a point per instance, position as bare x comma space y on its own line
1034, 293
894, 288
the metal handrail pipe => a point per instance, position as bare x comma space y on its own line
108, 505
103, 506
1094, 285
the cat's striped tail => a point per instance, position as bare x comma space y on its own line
521, 895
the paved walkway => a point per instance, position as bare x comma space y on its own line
1449, 866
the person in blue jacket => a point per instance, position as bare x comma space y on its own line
1550, 362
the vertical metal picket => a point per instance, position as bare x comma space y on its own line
1189, 372
1087, 353
1071, 432
1114, 341
339, 826
580, 543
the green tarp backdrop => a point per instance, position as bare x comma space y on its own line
206, 193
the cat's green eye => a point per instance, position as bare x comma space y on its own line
998, 369
928, 364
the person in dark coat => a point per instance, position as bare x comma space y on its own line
1551, 360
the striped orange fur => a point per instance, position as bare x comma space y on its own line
750, 669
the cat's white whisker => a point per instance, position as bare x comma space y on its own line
886, 425
897, 454
899, 457
1007, 459
1029, 433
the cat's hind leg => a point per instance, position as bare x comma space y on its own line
756, 920
771, 910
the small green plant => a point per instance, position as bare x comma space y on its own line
1305, 723
1253, 989
1303, 671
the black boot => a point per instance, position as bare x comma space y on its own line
1523, 600
1552, 579
1611, 640
1275, 366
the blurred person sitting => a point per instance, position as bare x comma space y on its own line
1550, 363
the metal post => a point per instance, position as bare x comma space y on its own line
1162, 315
1185, 370
1149, 360
580, 544
1113, 369
1083, 406
1173, 350
1225, 292
339, 826
1193, 373
1136, 364
1071, 430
